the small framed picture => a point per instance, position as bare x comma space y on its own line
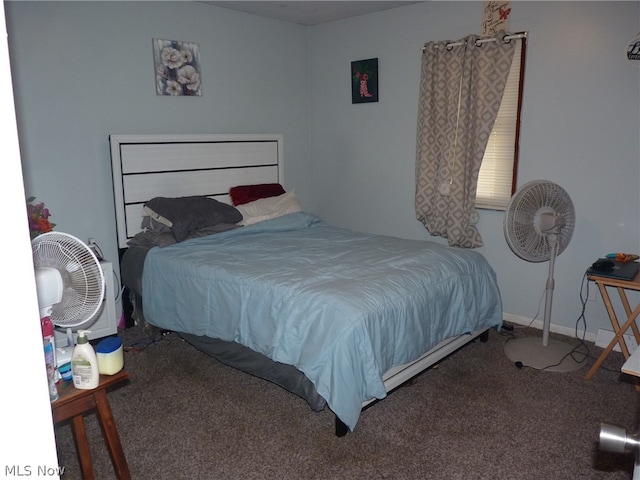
364, 81
177, 68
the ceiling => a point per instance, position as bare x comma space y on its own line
309, 12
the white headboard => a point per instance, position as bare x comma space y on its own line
148, 166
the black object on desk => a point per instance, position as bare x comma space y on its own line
621, 270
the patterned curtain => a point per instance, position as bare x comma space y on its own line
461, 90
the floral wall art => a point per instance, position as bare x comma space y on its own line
177, 66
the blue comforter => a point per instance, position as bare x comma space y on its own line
343, 307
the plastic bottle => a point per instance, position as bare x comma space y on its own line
49, 356
84, 363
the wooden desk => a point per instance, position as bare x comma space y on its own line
74, 404
631, 315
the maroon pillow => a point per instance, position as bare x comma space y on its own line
250, 193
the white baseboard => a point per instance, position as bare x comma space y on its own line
604, 337
601, 339
561, 329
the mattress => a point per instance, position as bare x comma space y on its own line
230, 353
343, 307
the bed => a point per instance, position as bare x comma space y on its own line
337, 317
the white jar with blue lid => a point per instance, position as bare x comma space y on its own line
110, 356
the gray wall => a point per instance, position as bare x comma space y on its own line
83, 70
580, 128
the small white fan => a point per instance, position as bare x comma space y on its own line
538, 226
69, 280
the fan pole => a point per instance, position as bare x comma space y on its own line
548, 297
550, 354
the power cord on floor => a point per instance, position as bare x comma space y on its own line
580, 352
582, 319
158, 338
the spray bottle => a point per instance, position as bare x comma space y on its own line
84, 363
49, 356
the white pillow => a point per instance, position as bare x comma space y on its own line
268, 208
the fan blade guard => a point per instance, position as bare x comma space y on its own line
83, 282
538, 209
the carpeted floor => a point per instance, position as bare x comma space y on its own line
183, 415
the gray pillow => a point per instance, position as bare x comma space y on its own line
185, 215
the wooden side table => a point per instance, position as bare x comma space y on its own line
74, 404
631, 315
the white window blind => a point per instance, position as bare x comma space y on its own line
498, 164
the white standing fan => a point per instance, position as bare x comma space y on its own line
69, 281
538, 226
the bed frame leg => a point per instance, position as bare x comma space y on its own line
341, 428
484, 336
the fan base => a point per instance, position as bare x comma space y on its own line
553, 358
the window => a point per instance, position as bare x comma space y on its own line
497, 178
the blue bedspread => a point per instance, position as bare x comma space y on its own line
343, 307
